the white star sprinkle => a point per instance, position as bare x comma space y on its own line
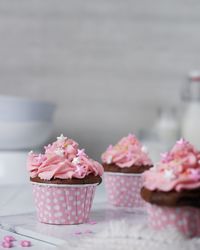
61, 138
30, 153
76, 161
59, 152
168, 174
109, 160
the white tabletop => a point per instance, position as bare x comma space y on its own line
17, 217
115, 226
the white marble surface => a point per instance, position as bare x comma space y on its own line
102, 214
36, 245
18, 218
115, 229
17, 213
16, 200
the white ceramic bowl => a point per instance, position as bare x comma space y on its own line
24, 123
13, 168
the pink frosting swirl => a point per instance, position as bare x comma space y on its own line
64, 160
127, 152
178, 169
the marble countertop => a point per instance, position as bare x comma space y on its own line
115, 226
17, 217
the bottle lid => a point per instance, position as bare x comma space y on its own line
194, 75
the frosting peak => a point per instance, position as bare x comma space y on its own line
127, 152
62, 159
178, 169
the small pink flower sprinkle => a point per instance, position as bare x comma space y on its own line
25, 243
7, 244
92, 222
9, 238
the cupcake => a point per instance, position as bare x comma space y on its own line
64, 180
172, 189
123, 164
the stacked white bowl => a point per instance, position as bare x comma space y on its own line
24, 124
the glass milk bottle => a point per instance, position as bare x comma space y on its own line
191, 115
167, 126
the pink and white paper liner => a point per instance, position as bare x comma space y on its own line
63, 204
123, 190
184, 219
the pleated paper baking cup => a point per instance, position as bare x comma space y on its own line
184, 219
123, 190
63, 204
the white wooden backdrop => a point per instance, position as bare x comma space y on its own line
108, 64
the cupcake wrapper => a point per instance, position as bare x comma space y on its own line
63, 204
184, 219
123, 190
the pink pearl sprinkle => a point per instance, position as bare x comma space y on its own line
7, 244
25, 243
92, 222
9, 238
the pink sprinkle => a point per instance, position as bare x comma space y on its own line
88, 231
78, 233
92, 222
182, 141
7, 244
80, 152
25, 243
9, 238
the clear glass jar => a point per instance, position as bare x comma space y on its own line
190, 128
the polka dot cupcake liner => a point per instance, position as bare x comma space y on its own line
63, 204
184, 219
123, 190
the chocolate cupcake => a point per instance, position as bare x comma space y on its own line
172, 188
123, 165
64, 180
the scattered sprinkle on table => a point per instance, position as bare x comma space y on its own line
25, 243
7, 244
8, 240
92, 222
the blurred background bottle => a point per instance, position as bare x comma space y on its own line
167, 126
164, 133
190, 128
